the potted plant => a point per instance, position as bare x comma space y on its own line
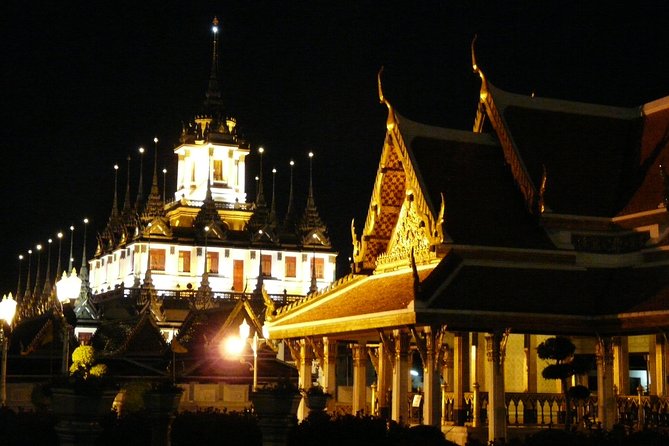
316, 398
81, 398
85, 393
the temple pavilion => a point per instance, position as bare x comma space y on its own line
548, 218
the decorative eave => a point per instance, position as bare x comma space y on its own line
487, 107
396, 166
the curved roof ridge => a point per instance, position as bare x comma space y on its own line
412, 129
505, 98
655, 106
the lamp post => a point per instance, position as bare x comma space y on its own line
234, 346
67, 288
7, 312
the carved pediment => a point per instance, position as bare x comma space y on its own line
410, 233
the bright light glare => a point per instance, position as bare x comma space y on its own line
233, 346
214, 29
414, 373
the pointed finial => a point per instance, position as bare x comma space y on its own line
382, 98
60, 246
164, 184
83, 254
311, 175
18, 283
213, 91
273, 206
140, 196
69, 265
260, 193
114, 211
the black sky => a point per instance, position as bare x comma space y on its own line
85, 84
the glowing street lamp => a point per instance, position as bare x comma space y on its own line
234, 346
7, 312
67, 289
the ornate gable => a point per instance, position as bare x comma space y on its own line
400, 218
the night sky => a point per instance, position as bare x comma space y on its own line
84, 85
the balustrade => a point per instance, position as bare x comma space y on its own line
547, 409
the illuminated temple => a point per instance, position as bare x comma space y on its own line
548, 219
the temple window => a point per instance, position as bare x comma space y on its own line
218, 170
291, 266
158, 259
266, 265
212, 262
184, 261
319, 268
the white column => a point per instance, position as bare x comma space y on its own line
431, 384
400, 403
359, 378
329, 370
658, 365
606, 403
304, 372
460, 376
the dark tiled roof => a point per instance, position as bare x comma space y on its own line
483, 204
591, 152
373, 294
649, 188
137, 336
591, 292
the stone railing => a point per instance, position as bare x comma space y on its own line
189, 295
547, 409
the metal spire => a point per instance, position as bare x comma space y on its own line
140, 195
69, 264
114, 211
27, 293
214, 90
260, 194
83, 251
47, 280
18, 283
58, 266
154, 205
39, 262
272, 211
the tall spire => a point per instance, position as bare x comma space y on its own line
154, 204
114, 211
311, 222
71, 258
59, 270
18, 282
27, 293
83, 250
36, 291
260, 193
139, 202
46, 292
272, 210
213, 94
